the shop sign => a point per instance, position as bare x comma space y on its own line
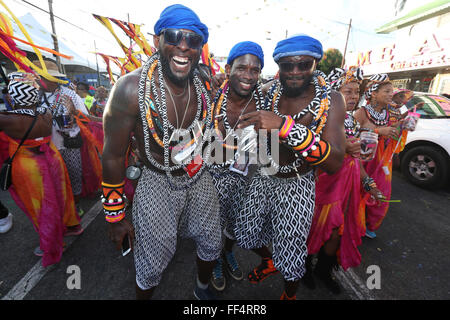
430, 52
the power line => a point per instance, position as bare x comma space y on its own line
35, 6
62, 19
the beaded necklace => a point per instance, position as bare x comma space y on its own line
318, 107
219, 110
379, 119
29, 112
179, 125
394, 114
152, 113
156, 105
351, 125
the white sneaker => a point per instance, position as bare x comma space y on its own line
6, 223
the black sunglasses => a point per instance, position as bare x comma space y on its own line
302, 65
175, 36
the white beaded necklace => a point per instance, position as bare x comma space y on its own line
145, 87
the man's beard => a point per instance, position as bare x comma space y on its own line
179, 81
295, 91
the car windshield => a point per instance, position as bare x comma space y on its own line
430, 106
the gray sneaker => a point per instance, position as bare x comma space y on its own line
233, 266
38, 252
218, 280
204, 294
6, 223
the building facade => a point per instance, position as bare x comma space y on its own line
419, 58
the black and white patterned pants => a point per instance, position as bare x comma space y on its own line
72, 159
278, 211
230, 187
161, 213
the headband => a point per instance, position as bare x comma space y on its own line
339, 77
23, 89
298, 45
374, 83
178, 16
246, 47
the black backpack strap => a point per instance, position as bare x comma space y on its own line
26, 135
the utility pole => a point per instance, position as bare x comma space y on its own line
346, 42
131, 41
55, 39
96, 61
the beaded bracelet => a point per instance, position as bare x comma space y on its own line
286, 127
368, 184
113, 200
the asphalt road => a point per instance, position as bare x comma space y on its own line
411, 254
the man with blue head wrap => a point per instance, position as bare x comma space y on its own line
179, 37
246, 47
167, 107
309, 117
302, 51
178, 16
298, 45
239, 94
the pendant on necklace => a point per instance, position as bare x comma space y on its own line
184, 153
177, 133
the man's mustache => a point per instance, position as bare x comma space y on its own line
296, 78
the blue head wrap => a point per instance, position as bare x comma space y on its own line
298, 45
178, 16
246, 47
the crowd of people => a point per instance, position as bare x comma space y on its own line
284, 168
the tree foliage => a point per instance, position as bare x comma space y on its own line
332, 58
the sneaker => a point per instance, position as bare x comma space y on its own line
284, 296
38, 252
217, 279
233, 267
261, 272
203, 294
370, 234
6, 223
73, 230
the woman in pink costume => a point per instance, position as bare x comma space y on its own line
40, 181
337, 225
380, 117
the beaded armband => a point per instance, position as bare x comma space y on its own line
113, 200
368, 184
319, 154
307, 144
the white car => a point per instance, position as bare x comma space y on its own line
425, 161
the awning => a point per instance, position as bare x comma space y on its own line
41, 36
424, 12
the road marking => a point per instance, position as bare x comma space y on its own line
37, 272
354, 285
351, 282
